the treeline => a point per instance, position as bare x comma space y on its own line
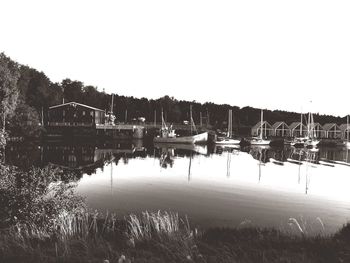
25, 93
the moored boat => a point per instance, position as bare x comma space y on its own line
168, 135
311, 140
260, 140
228, 140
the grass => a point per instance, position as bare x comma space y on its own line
163, 237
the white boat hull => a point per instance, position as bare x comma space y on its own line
312, 143
228, 141
347, 144
260, 142
198, 138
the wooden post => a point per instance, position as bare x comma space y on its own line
200, 117
126, 115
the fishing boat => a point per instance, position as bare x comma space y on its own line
168, 135
346, 142
260, 140
228, 140
311, 140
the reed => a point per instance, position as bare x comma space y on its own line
160, 225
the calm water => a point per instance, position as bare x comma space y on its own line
212, 186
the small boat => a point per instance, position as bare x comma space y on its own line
311, 133
260, 140
228, 140
168, 135
198, 138
299, 141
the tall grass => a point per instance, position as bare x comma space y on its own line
150, 225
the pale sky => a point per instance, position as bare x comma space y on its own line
269, 54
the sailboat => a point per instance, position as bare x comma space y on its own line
259, 140
311, 140
228, 140
299, 141
347, 142
168, 135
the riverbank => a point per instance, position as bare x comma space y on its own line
162, 237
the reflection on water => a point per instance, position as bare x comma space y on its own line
214, 186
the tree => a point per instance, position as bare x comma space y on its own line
25, 122
9, 75
72, 90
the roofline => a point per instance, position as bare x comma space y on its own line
73, 102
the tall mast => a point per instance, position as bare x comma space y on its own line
347, 128
229, 128
112, 103
301, 124
191, 120
308, 124
163, 121
261, 124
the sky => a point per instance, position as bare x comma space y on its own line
270, 54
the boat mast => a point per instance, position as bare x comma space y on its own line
261, 124
112, 103
347, 128
301, 124
163, 122
191, 120
229, 128
308, 125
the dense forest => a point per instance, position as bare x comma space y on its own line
25, 93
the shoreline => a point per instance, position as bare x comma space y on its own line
163, 237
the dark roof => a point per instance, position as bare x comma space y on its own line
75, 103
279, 123
294, 125
257, 126
344, 127
329, 126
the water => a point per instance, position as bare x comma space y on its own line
213, 186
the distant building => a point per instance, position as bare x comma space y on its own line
266, 129
345, 131
318, 130
75, 114
294, 129
281, 129
332, 131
